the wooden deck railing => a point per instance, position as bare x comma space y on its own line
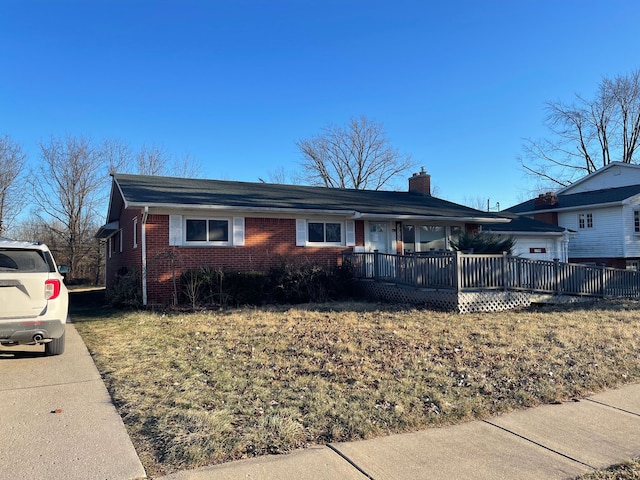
464, 272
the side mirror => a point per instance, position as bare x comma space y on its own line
63, 269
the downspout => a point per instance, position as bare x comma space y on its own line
143, 235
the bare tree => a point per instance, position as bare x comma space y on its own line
69, 182
117, 155
357, 155
186, 167
12, 160
587, 134
152, 160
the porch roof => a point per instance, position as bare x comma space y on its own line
525, 225
188, 193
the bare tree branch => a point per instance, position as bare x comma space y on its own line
357, 155
589, 133
12, 198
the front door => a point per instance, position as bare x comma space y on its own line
379, 237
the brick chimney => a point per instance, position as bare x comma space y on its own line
544, 200
420, 183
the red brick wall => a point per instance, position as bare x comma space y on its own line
547, 217
130, 258
606, 261
268, 241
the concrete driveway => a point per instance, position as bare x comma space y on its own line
57, 418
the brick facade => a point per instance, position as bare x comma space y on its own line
130, 258
268, 242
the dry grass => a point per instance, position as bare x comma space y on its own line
626, 471
198, 389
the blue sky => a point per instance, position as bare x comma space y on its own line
235, 83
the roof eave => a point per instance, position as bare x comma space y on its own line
236, 208
577, 207
524, 232
446, 218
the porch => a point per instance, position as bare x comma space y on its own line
472, 282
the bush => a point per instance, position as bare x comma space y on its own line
483, 243
126, 290
286, 283
309, 282
210, 286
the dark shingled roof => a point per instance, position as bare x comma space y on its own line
143, 190
523, 224
584, 199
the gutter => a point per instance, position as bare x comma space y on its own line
143, 239
380, 216
531, 234
350, 214
235, 208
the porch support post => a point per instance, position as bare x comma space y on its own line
376, 264
505, 265
458, 270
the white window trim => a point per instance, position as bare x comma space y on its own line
347, 233
214, 243
585, 216
178, 231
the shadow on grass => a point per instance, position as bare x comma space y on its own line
90, 304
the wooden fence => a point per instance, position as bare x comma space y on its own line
472, 272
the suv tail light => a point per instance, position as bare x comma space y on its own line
51, 289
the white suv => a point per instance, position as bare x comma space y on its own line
34, 302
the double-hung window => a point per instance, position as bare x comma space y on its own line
324, 232
329, 233
636, 221
207, 230
585, 220
185, 230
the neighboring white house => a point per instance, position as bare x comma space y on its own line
534, 239
603, 209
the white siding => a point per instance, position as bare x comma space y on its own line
619, 175
631, 238
605, 239
524, 244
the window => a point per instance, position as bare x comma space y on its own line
27, 261
207, 230
424, 238
636, 221
432, 237
324, 232
135, 232
116, 242
585, 220
455, 232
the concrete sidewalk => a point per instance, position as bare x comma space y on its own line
57, 420
548, 442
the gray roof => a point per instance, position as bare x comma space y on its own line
153, 191
522, 225
584, 199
